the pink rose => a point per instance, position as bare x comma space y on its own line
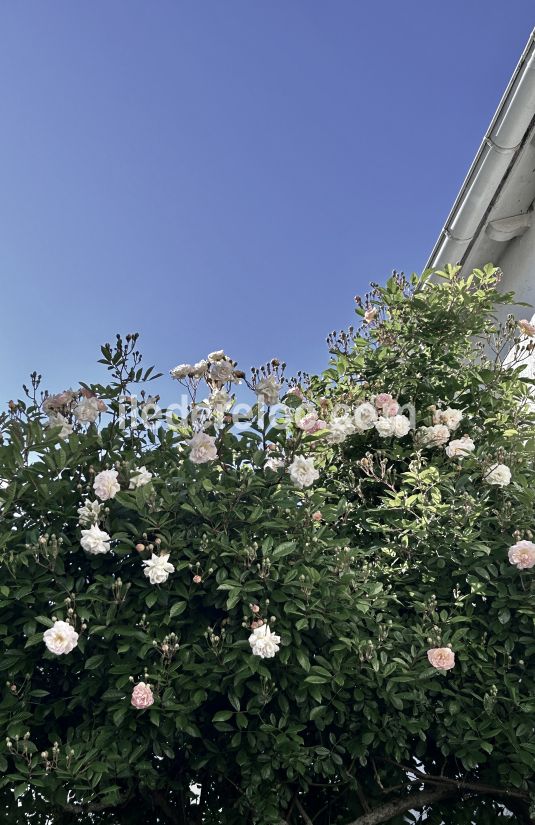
316, 516
527, 328
142, 696
197, 579
522, 554
254, 608
391, 408
441, 657
382, 399
256, 623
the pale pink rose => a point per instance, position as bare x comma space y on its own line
316, 516
256, 623
295, 391
197, 579
142, 696
370, 315
522, 554
310, 423
101, 406
527, 328
56, 402
382, 399
391, 408
441, 657
254, 608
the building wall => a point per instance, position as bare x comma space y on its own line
518, 265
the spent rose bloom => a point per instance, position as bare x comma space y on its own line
106, 485
449, 417
181, 371
87, 410
89, 513
499, 475
364, 417
441, 657
274, 464
157, 568
60, 638
58, 420
142, 696
370, 315
522, 554
460, 447
302, 471
527, 328
435, 436
203, 448
95, 541
268, 390
139, 478
263, 642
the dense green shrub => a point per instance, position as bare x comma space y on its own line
374, 543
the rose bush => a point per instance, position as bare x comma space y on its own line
324, 615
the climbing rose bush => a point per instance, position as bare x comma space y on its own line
321, 615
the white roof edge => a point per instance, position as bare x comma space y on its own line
493, 160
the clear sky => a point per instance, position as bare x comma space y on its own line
227, 173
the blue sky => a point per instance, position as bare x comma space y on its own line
227, 173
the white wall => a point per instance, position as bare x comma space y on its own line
518, 266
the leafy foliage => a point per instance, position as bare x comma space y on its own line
410, 553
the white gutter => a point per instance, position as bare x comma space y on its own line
500, 146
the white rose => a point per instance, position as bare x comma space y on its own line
340, 427
460, 447
200, 368
221, 371
219, 401
263, 642
449, 417
498, 475
385, 426
218, 355
87, 410
89, 513
268, 390
181, 371
139, 478
402, 425
157, 568
60, 638
435, 436
365, 416
95, 541
58, 420
203, 448
106, 485
302, 471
